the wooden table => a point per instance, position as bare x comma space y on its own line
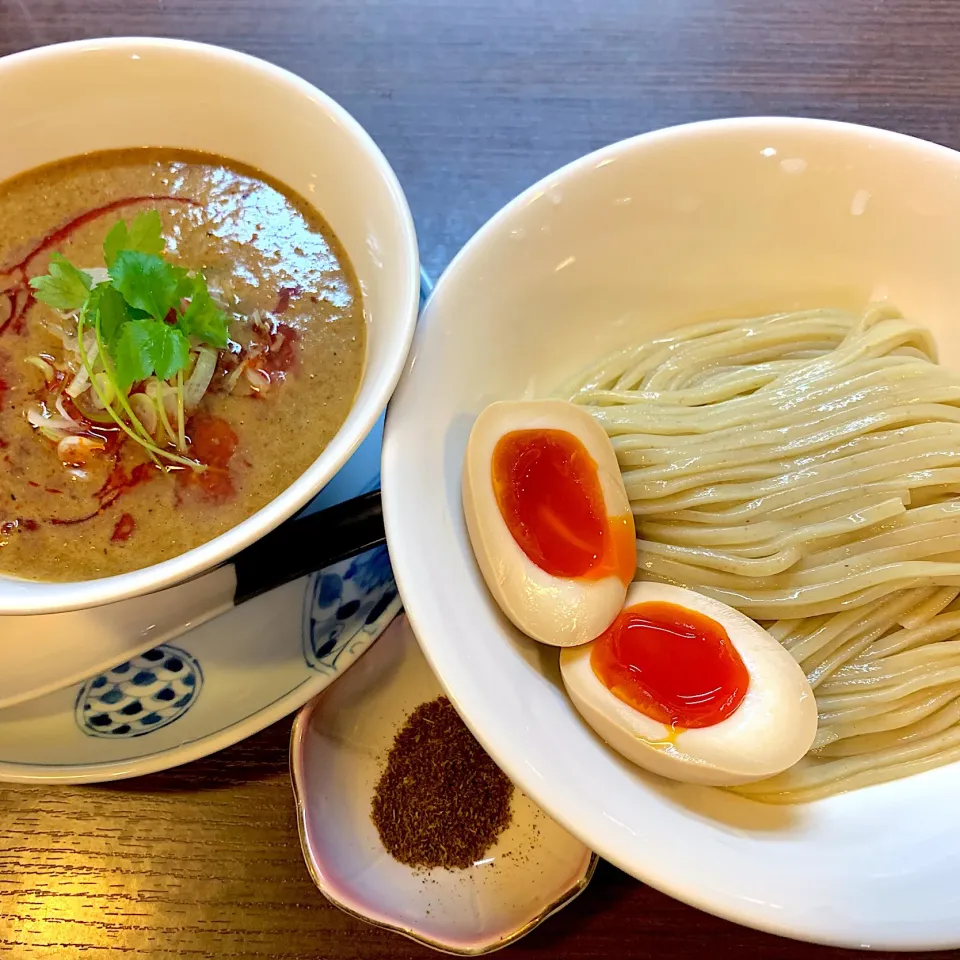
471, 100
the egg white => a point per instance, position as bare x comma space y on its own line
555, 610
771, 729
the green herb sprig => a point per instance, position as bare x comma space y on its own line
145, 317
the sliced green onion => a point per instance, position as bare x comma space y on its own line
105, 387
156, 391
146, 411
203, 370
42, 366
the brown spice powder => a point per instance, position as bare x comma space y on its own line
441, 801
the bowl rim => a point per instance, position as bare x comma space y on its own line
59, 597
505, 750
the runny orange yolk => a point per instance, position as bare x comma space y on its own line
549, 494
674, 665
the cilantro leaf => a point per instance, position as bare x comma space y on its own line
185, 283
133, 354
171, 350
203, 318
145, 347
113, 312
143, 236
64, 287
115, 241
146, 281
145, 233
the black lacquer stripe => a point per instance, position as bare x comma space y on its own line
306, 544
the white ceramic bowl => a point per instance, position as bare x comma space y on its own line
100, 94
672, 227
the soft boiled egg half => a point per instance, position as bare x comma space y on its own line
692, 689
549, 518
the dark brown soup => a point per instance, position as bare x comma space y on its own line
101, 476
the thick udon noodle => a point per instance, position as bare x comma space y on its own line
805, 469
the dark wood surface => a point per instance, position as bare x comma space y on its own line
471, 100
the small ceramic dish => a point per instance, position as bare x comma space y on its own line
339, 745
